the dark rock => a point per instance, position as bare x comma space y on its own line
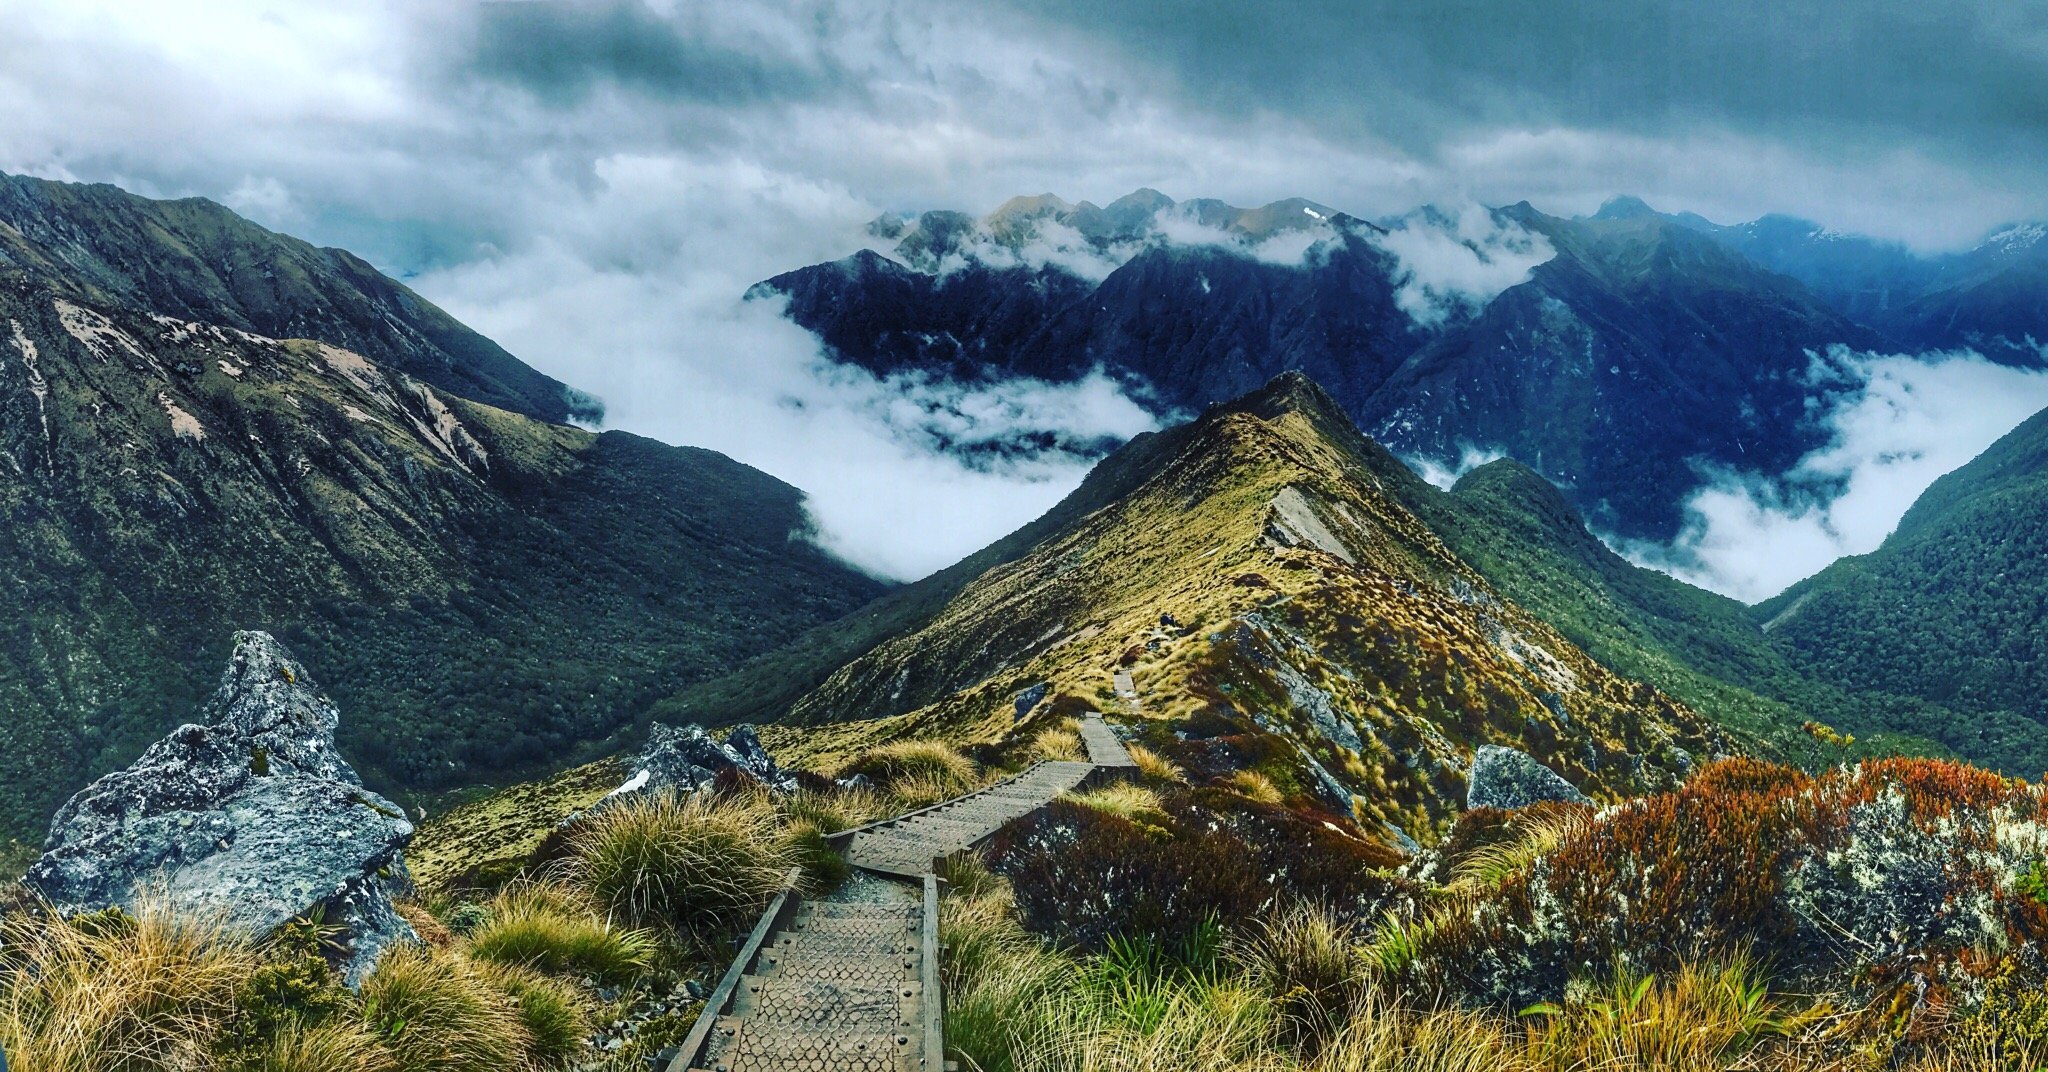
1029, 699
688, 759
253, 817
1506, 778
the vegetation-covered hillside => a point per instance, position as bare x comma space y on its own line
1257, 571
1514, 527
1952, 608
488, 591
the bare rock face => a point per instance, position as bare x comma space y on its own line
252, 817
688, 759
1507, 779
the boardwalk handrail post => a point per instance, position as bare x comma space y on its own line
934, 1013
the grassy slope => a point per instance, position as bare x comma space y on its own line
1175, 576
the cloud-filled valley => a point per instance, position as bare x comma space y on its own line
596, 186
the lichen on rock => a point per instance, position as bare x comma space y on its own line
251, 816
1507, 778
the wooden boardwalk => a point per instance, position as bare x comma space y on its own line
852, 981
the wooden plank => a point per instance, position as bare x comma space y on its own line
773, 917
844, 838
934, 1057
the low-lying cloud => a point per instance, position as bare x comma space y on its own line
903, 475
1446, 475
1457, 261
1898, 422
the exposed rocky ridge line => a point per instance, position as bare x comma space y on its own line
1330, 631
252, 817
196, 260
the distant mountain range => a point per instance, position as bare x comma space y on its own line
1620, 355
205, 427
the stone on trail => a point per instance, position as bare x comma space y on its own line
1507, 778
252, 818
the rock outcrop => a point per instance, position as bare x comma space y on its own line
1508, 779
688, 759
252, 817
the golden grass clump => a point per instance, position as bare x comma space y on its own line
334, 1046
933, 763
1154, 767
1309, 963
831, 812
113, 993
914, 791
1256, 787
1122, 799
691, 861
1059, 743
554, 1013
553, 929
1536, 832
435, 1012
1705, 1017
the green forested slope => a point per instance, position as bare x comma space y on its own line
1953, 607
1708, 649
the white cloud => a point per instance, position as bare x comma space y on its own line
1444, 476
604, 235
640, 304
1898, 422
1459, 260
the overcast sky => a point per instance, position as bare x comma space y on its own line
595, 184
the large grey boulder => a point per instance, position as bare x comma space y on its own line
252, 817
1507, 778
689, 759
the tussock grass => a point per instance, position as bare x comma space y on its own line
435, 1012
554, 1013
1123, 799
689, 861
1256, 787
554, 929
1154, 767
822, 867
116, 994
1311, 965
1538, 830
334, 1046
832, 812
933, 763
1060, 742
914, 791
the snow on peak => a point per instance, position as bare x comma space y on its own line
2018, 237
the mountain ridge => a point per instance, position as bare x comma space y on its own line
491, 592
195, 259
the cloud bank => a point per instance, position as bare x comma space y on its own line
1458, 261
594, 184
1897, 423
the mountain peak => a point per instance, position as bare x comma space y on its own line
1625, 207
1292, 391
